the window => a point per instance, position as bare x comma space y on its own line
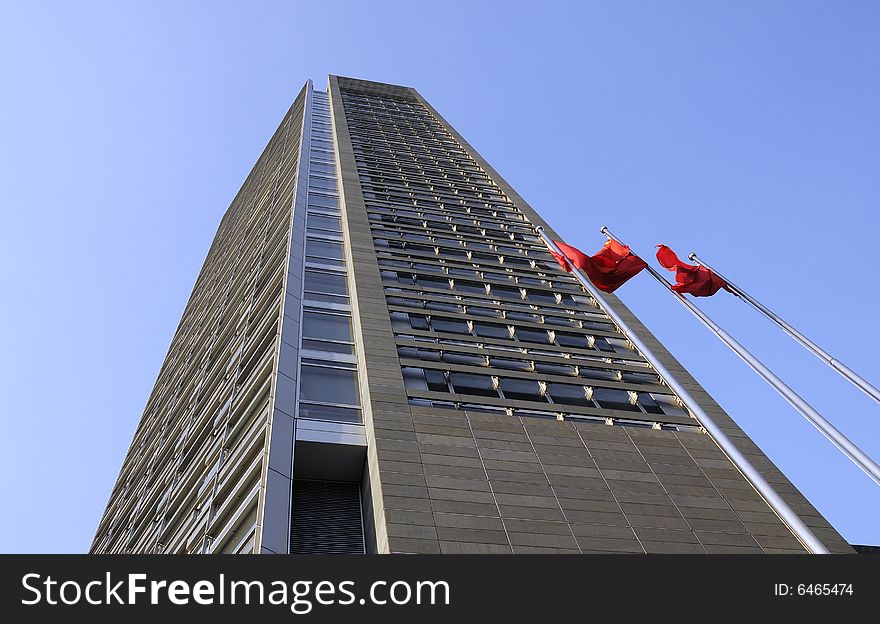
669, 404
505, 291
429, 355
321, 222
523, 316
414, 378
561, 321
543, 297
322, 326
600, 344
569, 395
329, 412
450, 325
433, 282
466, 383
603, 374
436, 380
329, 385
466, 359
510, 364
469, 287
418, 321
491, 330
532, 335
325, 282
323, 201
522, 390
324, 168
649, 404
309, 344
555, 369
609, 398
477, 311
323, 248
442, 307
571, 340
634, 377
328, 184
619, 344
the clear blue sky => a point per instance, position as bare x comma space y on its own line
748, 131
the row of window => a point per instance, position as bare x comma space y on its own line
475, 271
557, 318
523, 363
488, 307
458, 248
404, 322
477, 207
516, 389
451, 214
558, 413
465, 286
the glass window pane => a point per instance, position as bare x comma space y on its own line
331, 347
449, 325
332, 283
329, 412
554, 369
521, 389
571, 340
465, 383
436, 381
602, 345
468, 287
610, 398
324, 201
322, 298
568, 395
466, 359
432, 282
649, 403
322, 183
491, 330
477, 311
414, 378
323, 249
510, 364
324, 222
326, 326
669, 404
532, 335
604, 374
329, 385
634, 377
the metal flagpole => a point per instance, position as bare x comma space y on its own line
863, 461
840, 367
770, 496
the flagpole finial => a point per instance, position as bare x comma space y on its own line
539, 228
604, 230
693, 256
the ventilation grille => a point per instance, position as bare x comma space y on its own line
326, 518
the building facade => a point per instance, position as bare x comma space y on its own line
380, 355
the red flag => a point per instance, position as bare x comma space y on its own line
690, 278
608, 270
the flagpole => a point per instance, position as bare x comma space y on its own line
837, 365
766, 491
862, 460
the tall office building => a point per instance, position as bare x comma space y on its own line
380, 355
